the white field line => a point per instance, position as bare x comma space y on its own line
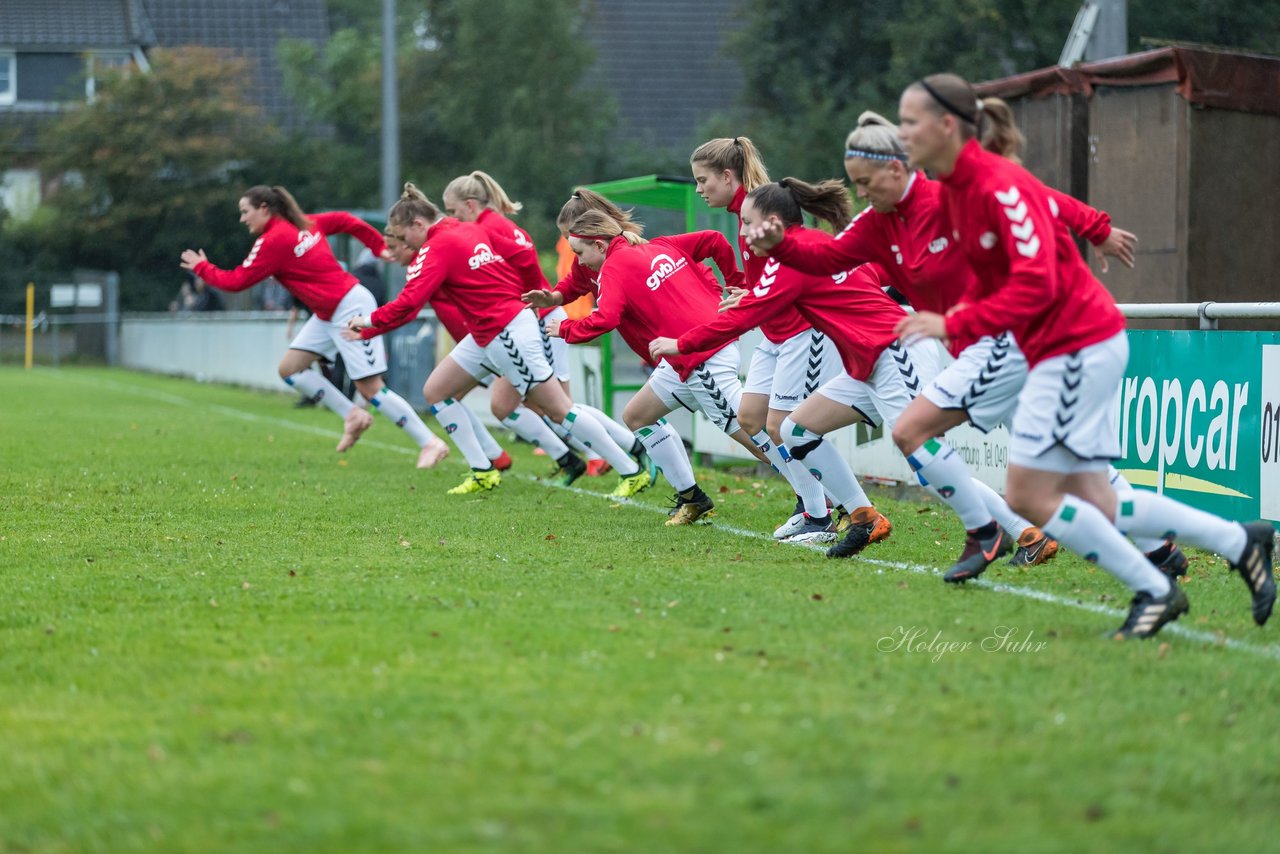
1208, 638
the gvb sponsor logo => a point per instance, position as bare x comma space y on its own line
663, 267
306, 240
482, 255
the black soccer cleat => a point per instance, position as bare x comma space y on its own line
1255, 568
1148, 613
1169, 559
572, 467
978, 554
856, 538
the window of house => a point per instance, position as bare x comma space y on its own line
7, 84
47, 77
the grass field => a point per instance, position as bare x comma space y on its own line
219, 635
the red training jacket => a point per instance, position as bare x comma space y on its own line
301, 260
469, 265
850, 307
785, 323
1030, 278
659, 289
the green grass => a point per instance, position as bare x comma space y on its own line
219, 635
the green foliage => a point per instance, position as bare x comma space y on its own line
1253, 26
149, 167
219, 635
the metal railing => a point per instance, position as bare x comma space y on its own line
1208, 313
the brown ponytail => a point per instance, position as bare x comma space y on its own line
280, 203
584, 200
1000, 134
791, 198
597, 225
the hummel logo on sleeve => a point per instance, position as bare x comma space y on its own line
767, 278
253, 253
1020, 226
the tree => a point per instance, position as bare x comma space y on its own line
150, 167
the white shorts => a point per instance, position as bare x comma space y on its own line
1067, 418
899, 375
519, 352
791, 371
984, 381
712, 389
471, 357
365, 358
557, 349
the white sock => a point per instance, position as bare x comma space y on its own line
826, 465
617, 432
528, 425
1122, 488
1000, 509
313, 385
666, 449
1085, 530
582, 425
453, 418
1145, 513
938, 465
398, 410
800, 478
488, 444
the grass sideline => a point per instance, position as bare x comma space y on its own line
219, 635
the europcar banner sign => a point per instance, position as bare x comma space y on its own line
1199, 419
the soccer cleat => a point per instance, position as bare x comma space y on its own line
354, 425
689, 510
978, 554
478, 481
1148, 613
597, 467
814, 531
866, 526
434, 451
631, 484
1169, 559
571, 468
791, 527
1034, 548
1255, 568
792, 524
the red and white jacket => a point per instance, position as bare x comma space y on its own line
659, 289
469, 265
785, 323
525, 260
300, 260
850, 307
1029, 277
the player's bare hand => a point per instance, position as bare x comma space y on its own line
1120, 244
762, 237
660, 347
917, 327
542, 299
732, 297
191, 258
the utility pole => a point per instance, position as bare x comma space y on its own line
390, 109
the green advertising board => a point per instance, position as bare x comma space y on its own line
1199, 419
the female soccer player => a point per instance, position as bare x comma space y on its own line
661, 288
450, 317
471, 265
478, 198
794, 358
291, 246
904, 230
879, 378
1031, 280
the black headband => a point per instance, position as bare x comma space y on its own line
950, 107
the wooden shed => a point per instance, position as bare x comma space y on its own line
1182, 147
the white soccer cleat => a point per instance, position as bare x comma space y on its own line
354, 425
432, 453
791, 527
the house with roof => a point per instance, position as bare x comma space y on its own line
53, 51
